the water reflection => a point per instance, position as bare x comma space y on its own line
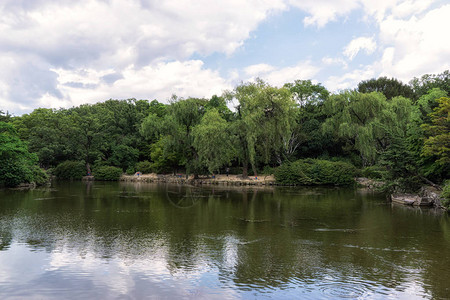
109, 240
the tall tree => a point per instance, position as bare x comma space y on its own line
356, 117
438, 141
422, 85
307, 137
177, 126
49, 133
4, 117
305, 92
389, 87
88, 133
16, 163
213, 141
265, 116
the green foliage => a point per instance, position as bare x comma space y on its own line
220, 104
4, 117
446, 195
428, 102
356, 117
130, 171
424, 84
165, 158
15, 172
270, 126
70, 170
50, 134
389, 87
108, 173
373, 172
213, 141
267, 170
438, 142
17, 165
123, 156
173, 134
265, 117
315, 172
305, 92
40, 177
145, 167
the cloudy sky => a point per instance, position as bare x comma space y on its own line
62, 53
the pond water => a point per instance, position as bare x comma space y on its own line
92, 240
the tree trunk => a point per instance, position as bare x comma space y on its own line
254, 170
244, 169
431, 183
88, 169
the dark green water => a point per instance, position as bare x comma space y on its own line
144, 241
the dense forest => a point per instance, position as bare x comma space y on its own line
382, 129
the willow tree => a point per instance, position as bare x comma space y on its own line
176, 127
356, 117
213, 141
265, 116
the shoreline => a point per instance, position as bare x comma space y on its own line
202, 180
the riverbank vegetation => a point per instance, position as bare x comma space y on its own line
385, 129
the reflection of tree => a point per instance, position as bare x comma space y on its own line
182, 196
359, 236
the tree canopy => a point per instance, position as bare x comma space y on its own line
402, 129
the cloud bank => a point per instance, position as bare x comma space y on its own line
65, 53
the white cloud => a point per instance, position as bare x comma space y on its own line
330, 61
158, 81
350, 79
256, 70
409, 47
279, 76
124, 38
61, 53
408, 8
417, 45
321, 12
362, 43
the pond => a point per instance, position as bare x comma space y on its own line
94, 240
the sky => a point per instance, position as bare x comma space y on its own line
63, 53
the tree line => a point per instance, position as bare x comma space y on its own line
385, 128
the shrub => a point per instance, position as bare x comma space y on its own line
314, 171
145, 167
14, 172
108, 173
267, 170
130, 171
446, 195
373, 172
40, 177
70, 170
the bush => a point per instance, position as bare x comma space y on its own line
14, 172
373, 172
267, 170
40, 177
108, 173
145, 167
315, 172
70, 170
130, 171
446, 195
